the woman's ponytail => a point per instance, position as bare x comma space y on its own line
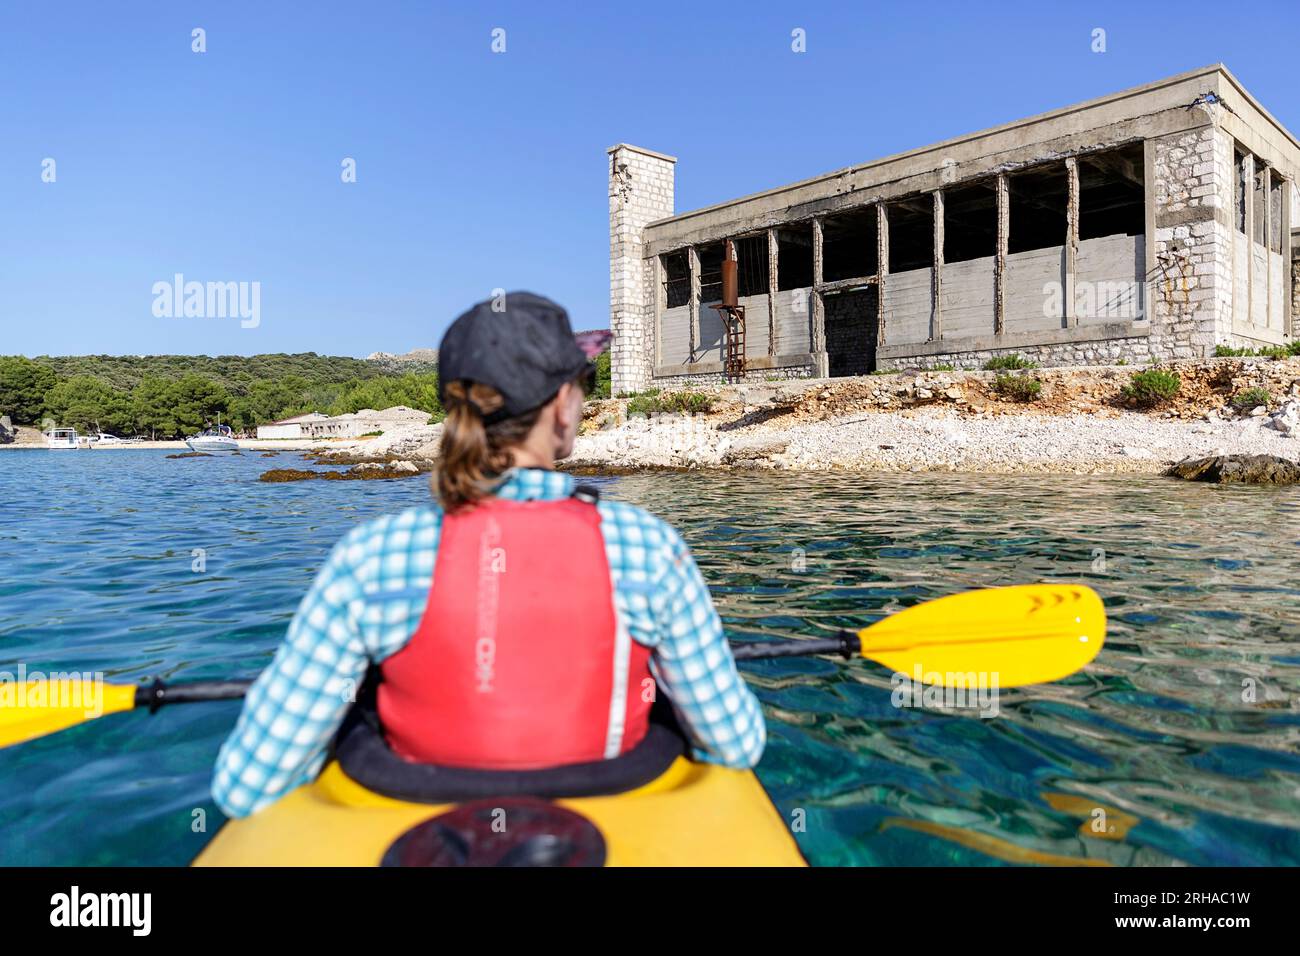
474, 453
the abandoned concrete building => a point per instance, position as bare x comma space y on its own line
1154, 223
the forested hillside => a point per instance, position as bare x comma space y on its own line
166, 396
169, 396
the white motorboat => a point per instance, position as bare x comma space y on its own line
105, 439
220, 438
61, 438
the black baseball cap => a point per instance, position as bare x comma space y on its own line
519, 343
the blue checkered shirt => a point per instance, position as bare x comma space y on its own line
369, 598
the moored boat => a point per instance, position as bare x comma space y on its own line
220, 438
62, 439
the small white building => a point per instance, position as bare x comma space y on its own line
351, 425
291, 427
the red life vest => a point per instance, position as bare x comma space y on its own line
519, 662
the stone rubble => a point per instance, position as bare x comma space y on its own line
925, 421
933, 439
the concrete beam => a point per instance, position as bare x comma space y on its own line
840, 285
1156, 110
668, 235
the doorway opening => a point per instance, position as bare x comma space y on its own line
852, 330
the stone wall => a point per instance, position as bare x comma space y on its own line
1190, 293
1134, 351
783, 374
640, 191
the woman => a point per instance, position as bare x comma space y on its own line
519, 626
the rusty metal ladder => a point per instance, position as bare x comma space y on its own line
733, 341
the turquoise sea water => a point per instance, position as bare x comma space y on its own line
1184, 732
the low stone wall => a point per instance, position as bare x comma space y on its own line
1134, 351
717, 378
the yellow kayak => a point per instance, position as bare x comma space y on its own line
693, 814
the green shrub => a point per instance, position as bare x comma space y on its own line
689, 402
652, 403
943, 367
1152, 387
642, 405
1250, 398
648, 393
601, 388
1019, 388
1008, 362
1268, 351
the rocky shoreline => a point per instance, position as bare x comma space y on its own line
926, 421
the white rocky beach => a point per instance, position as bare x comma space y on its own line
929, 421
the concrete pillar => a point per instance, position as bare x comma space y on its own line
773, 262
1248, 175
882, 270
936, 276
1291, 237
693, 263
1070, 314
817, 336
1191, 196
1000, 257
640, 191
1291, 228
1266, 186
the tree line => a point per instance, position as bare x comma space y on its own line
162, 397
180, 395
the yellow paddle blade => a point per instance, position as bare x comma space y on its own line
1027, 634
33, 708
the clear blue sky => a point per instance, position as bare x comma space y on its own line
479, 170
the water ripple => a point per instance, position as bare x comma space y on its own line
1184, 733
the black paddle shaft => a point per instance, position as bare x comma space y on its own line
846, 644
156, 694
